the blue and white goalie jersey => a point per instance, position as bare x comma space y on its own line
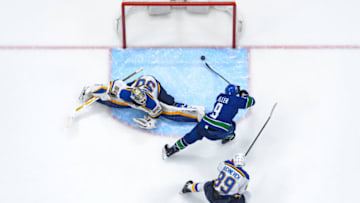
232, 180
157, 100
151, 88
148, 83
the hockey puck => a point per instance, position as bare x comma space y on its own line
202, 57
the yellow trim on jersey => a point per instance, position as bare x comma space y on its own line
193, 187
158, 86
157, 115
232, 166
111, 85
102, 87
145, 107
120, 103
149, 95
179, 113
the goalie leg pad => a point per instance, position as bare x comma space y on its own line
183, 114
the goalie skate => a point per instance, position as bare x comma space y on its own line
186, 187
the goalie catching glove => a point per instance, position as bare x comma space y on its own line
97, 90
146, 122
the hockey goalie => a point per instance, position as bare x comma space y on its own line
144, 94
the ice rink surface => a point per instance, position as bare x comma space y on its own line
307, 153
183, 75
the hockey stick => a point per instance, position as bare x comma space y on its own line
92, 100
211, 69
272, 110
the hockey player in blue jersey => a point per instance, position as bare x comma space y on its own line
218, 124
230, 185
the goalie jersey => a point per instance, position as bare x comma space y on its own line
232, 180
150, 87
158, 101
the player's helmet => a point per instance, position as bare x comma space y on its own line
239, 159
138, 96
232, 89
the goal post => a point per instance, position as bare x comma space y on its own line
169, 7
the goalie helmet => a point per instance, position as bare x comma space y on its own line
239, 160
138, 96
232, 89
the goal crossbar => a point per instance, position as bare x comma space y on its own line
124, 4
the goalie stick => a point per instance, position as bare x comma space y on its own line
272, 110
92, 100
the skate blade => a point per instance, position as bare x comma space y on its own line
163, 155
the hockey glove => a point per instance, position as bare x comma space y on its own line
97, 90
243, 93
146, 122
85, 94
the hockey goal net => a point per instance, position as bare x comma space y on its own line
210, 24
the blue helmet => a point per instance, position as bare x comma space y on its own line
232, 89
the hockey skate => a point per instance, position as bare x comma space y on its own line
227, 139
186, 187
167, 152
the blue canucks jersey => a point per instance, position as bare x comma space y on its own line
225, 109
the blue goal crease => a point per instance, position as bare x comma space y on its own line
183, 75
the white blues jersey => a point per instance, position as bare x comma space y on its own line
158, 102
232, 180
149, 83
151, 90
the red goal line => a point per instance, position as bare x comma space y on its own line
40, 47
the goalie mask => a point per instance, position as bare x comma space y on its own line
138, 96
239, 160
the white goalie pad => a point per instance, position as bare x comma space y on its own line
185, 114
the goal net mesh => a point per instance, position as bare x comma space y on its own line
210, 24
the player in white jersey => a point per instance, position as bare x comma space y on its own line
149, 83
230, 185
145, 94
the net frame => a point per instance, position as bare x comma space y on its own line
213, 3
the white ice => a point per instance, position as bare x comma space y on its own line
307, 153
